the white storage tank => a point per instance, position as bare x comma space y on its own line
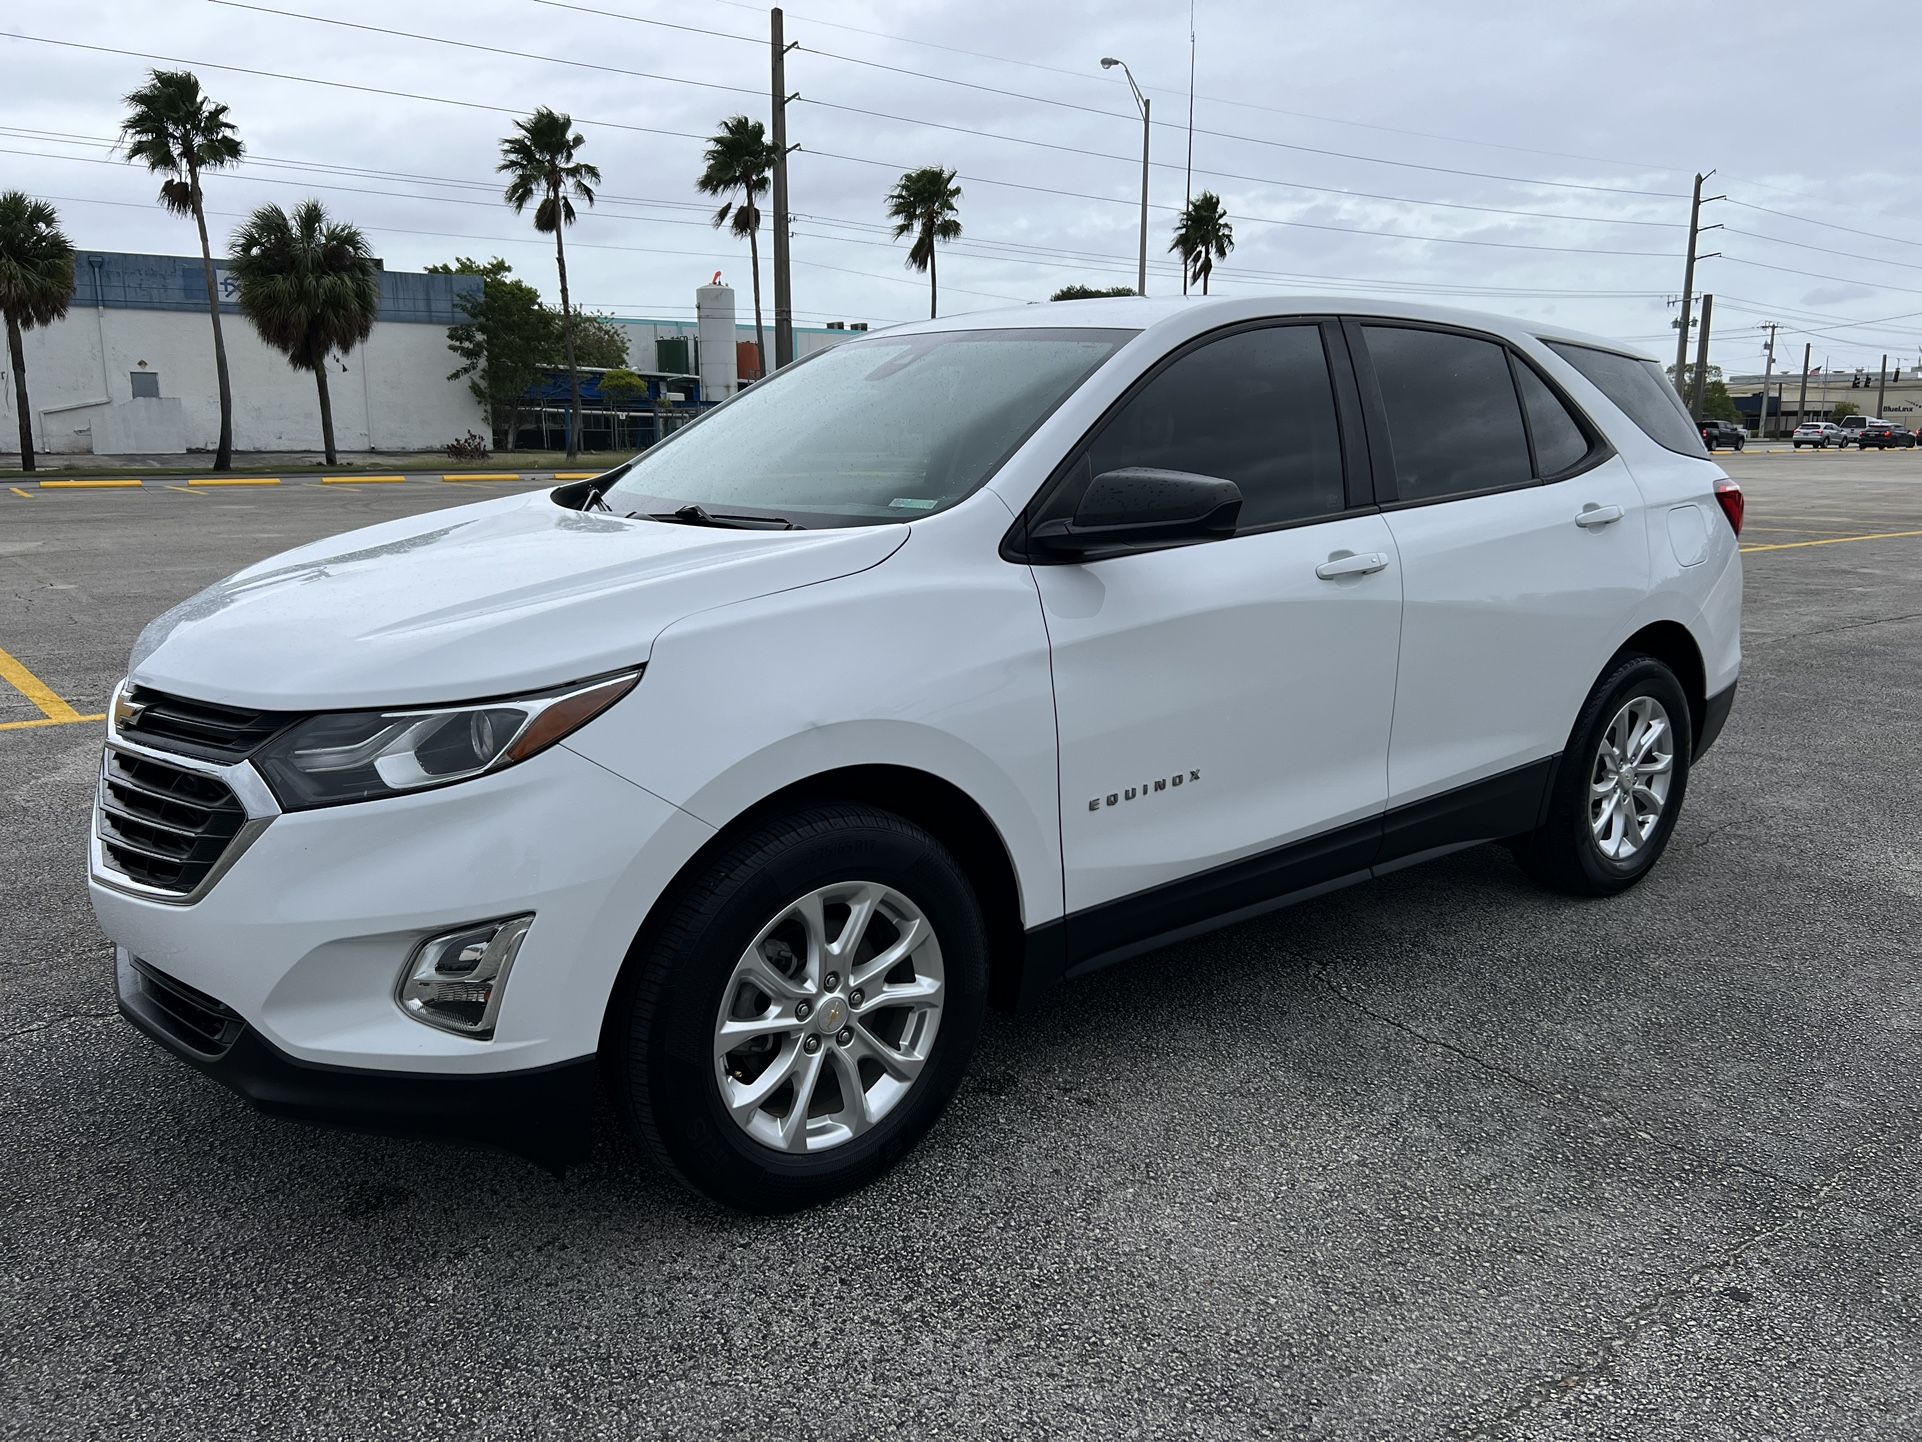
714, 319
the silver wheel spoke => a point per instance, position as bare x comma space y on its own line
739, 1030
746, 1098
794, 1126
879, 965
901, 1065
854, 1114
758, 971
860, 912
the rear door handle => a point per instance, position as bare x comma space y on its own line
1593, 515
1365, 564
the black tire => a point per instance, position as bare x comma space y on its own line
1562, 852
1739, 443
663, 1063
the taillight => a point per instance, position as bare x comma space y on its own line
1728, 496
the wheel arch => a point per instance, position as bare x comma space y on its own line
1671, 643
937, 805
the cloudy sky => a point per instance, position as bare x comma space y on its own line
1533, 159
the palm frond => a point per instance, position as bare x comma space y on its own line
36, 262
308, 285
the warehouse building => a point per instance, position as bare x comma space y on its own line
130, 371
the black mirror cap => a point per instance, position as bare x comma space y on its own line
1140, 506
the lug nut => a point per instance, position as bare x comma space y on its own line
844, 1036
811, 1045
856, 997
803, 1011
833, 980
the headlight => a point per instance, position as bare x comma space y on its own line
359, 755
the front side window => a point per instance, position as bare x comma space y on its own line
1454, 422
1256, 408
890, 428
1641, 390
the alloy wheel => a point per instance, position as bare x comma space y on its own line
829, 1017
1629, 780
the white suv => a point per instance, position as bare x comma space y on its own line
951, 662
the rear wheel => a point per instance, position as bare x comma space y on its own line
806, 1011
1620, 784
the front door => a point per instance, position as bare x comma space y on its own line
1223, 708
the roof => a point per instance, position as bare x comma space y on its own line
1172, 317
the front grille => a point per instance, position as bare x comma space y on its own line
163, 825
197, 728
191, 1016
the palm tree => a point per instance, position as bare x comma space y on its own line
739, 157
310, 286
1203, 236
540, 162
922, 204
36, 282
176, 131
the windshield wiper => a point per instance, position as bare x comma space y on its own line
695, 514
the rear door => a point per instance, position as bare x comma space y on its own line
1523, 552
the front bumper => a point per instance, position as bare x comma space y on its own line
544, 1113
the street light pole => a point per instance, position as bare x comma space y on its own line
1108, 62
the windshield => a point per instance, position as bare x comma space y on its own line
884, 429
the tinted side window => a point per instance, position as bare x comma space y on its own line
1559, 441
1642, 392
1256, 408
1453, 420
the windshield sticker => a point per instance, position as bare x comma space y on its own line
910, 503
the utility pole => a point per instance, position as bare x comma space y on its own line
1701, 357
1768, 373
1881, 384
783, 276
1695, 228
1802, 400
1141, 270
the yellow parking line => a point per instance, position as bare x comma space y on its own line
237, 481
489, 476
16, 675
362, 480
23, 495
74, 720
575, 475
1832, 541
87, 485
185, 492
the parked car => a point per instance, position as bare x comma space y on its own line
1853, 426
1820, 434
956, 661
1884, 435
1721, 433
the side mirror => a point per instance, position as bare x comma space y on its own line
1139, 506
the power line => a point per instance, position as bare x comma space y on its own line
1213, 99
485, 49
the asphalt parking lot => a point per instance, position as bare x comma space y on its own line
1440, 1157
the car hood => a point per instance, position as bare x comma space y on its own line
485, 600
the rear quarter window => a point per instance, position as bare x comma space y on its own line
1640, 390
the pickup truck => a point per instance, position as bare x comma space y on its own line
1722, 433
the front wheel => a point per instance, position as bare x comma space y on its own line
807, 1009
1620, 784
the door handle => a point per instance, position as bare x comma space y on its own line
1593, 515
1365, 564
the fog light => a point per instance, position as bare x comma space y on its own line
455, 981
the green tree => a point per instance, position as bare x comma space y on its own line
310, 286
542, 166
36, 283
1088, 292
599, 343
175, 130
505, 337
624, 391
1717, 404
923, 204
1203, 236
1839, 410
739, 157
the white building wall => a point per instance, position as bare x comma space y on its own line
392, 395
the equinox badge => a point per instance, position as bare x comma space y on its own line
1115, 798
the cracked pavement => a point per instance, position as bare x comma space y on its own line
1441, 1157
